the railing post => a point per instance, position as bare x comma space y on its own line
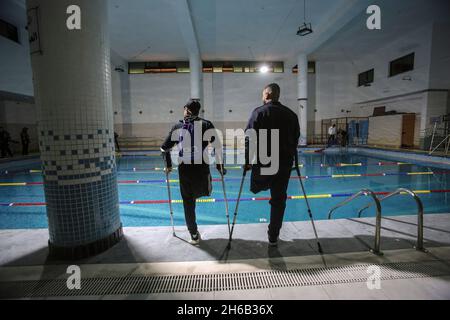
419, 244
432, 136
377, 247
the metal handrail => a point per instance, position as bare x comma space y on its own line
419, 245
366, 192
446, 140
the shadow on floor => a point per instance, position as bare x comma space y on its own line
177, 250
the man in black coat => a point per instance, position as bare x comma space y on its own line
5, 140
272, 116
195, 177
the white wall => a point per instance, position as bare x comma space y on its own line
158, 94
15, 63
440, 57
337, 80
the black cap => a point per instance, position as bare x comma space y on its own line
194, 106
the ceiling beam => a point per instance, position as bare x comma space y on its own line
186, 24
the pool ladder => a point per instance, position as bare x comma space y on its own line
366, 192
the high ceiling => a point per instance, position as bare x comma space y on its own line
143, 30
397, 19
148, 30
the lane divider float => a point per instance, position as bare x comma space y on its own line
334, 176
212, 200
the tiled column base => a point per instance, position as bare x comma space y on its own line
87, 250
72, 83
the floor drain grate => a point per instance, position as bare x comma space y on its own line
221, 281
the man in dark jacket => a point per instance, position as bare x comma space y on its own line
193, 169
272, 116
5, 139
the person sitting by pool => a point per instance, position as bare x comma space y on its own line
194, 173
273, 116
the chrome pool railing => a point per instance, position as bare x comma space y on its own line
419, 245
366, 192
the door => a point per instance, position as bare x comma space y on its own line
408, 126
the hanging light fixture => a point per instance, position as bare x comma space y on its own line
305, 28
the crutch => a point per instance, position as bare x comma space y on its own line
236, 209
297, 168
170, 196
225, 199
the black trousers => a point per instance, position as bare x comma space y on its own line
25, 149
331, 140
195, 182
278, 193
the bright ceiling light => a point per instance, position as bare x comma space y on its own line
264, 69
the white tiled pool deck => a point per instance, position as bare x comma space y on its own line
154, 251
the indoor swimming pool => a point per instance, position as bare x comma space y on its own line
328, 178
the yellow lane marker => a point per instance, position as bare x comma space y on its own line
345, 175
13, 184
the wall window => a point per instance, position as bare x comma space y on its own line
9, 31
158, 67
401, 65
208, 67
242, 67
311, 67
365, 78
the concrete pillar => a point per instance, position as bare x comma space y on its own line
302, 85
72, 83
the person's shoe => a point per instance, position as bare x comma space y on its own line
195, 239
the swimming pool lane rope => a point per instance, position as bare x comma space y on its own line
332, 176
140, 170
214, 200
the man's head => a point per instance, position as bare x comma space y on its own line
271, 93
192, 108
334, 125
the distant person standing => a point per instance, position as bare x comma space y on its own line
116, 141
25, 139
5, 139
332, 135
343, 138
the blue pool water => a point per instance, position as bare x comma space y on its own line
319, 183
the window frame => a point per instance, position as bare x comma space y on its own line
391, 63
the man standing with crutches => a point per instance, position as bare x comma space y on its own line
272, 116
195, 177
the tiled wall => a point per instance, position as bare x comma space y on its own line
73, 95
